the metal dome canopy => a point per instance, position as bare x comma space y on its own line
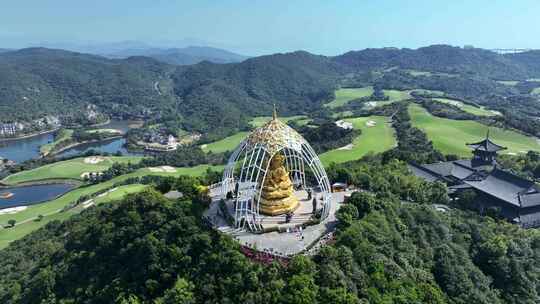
252, 157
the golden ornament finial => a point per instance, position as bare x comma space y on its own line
274, 114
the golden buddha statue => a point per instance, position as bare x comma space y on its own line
277, 195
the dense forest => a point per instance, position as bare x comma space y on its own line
391, 246
219, 99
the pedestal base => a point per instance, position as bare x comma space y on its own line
278, 207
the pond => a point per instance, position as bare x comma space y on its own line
30, 195
104, 146
23, 149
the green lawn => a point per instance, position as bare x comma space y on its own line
450, 136
231, 142
378, 138
226, 144
110, 131
11, 234
63, 134
345, 95
50, 209
261, 120
479, 111
119, 193
339, 115
536, 91
69, 169
397, 95
423, 91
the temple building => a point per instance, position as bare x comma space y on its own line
515, 198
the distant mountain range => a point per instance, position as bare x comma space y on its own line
182, 56
211, 97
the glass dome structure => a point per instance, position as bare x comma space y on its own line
248, 165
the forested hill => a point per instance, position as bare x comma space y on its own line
220, 98
530, 59
147, 249
38, 81
445, 58
296, 82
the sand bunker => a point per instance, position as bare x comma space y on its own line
12, 210
371, 104
347, 147
454, 103
163, 169
87, 174
511, 153
88, 203
344, 124
93, 160
371, 123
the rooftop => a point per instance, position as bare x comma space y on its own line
506, 186
486, 145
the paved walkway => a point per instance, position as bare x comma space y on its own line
286, 243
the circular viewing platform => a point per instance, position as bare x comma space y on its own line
302, 234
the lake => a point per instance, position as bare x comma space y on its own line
24, 149
104, 146
30, 195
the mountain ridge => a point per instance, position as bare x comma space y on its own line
40, 81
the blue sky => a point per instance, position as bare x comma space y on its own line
255, 27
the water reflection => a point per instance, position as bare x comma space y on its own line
29, 195
105, 146
24, 149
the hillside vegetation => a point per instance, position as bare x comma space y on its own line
147, 249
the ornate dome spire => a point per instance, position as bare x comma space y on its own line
275, 135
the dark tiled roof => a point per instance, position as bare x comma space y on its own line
461, 172
446, 170
424, 173
442, 169
530, 199
502, 185
475, 164
486, 145
530, 217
